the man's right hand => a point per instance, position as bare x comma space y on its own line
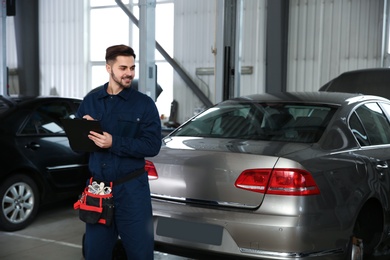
88, 117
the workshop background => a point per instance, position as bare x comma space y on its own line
217, 49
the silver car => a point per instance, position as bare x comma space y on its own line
287, 176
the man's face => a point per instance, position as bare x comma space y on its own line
122, 71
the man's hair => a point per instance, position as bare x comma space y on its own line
118, 50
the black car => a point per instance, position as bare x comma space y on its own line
37, 164
372, 81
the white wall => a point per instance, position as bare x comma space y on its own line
326, 38
195, 32
194, 39
63, 55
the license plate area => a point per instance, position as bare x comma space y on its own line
190, 231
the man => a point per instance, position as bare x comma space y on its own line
131, 131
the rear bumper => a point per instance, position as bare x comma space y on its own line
244, 234
197, 253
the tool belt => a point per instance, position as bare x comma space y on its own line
96, 203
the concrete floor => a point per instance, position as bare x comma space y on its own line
55, 234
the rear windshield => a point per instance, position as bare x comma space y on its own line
261, 121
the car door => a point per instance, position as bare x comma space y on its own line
371, 127
42, 140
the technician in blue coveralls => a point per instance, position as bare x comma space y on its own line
132, 131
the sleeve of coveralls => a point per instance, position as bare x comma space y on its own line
80, 113
148, 142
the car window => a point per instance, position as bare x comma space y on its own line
386, 108
261, 121
370, 125
46, 119
358, 130
3, 106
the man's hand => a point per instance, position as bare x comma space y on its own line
88, 117
101, 140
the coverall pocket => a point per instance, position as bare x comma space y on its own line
128, 125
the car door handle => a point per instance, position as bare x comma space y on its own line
32, 146
382, 166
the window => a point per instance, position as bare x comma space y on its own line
109, 25
358, 130
47, 119
3, 106
370, 125
262, 121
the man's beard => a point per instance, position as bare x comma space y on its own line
118, 81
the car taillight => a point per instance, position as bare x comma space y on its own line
152, 173
278, 181
254, 180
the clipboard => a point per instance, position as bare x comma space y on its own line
77, 131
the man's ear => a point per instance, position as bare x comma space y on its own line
108, 68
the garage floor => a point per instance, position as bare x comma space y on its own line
55, 234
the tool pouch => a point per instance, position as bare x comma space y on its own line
95, 208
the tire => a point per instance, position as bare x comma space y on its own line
355, 249
366, 232
19, 202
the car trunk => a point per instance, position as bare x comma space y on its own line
204, 170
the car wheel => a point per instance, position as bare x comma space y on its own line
355, 249
19, 202
367, 231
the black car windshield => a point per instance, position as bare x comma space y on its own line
290, 122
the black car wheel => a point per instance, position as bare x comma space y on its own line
367, 231
19, 202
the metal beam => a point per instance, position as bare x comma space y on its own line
27, 46
3, 53
191, 84
385, 34
277, 44
219, 57
228, 43
238, 69
147, 79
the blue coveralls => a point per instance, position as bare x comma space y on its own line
132, 119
